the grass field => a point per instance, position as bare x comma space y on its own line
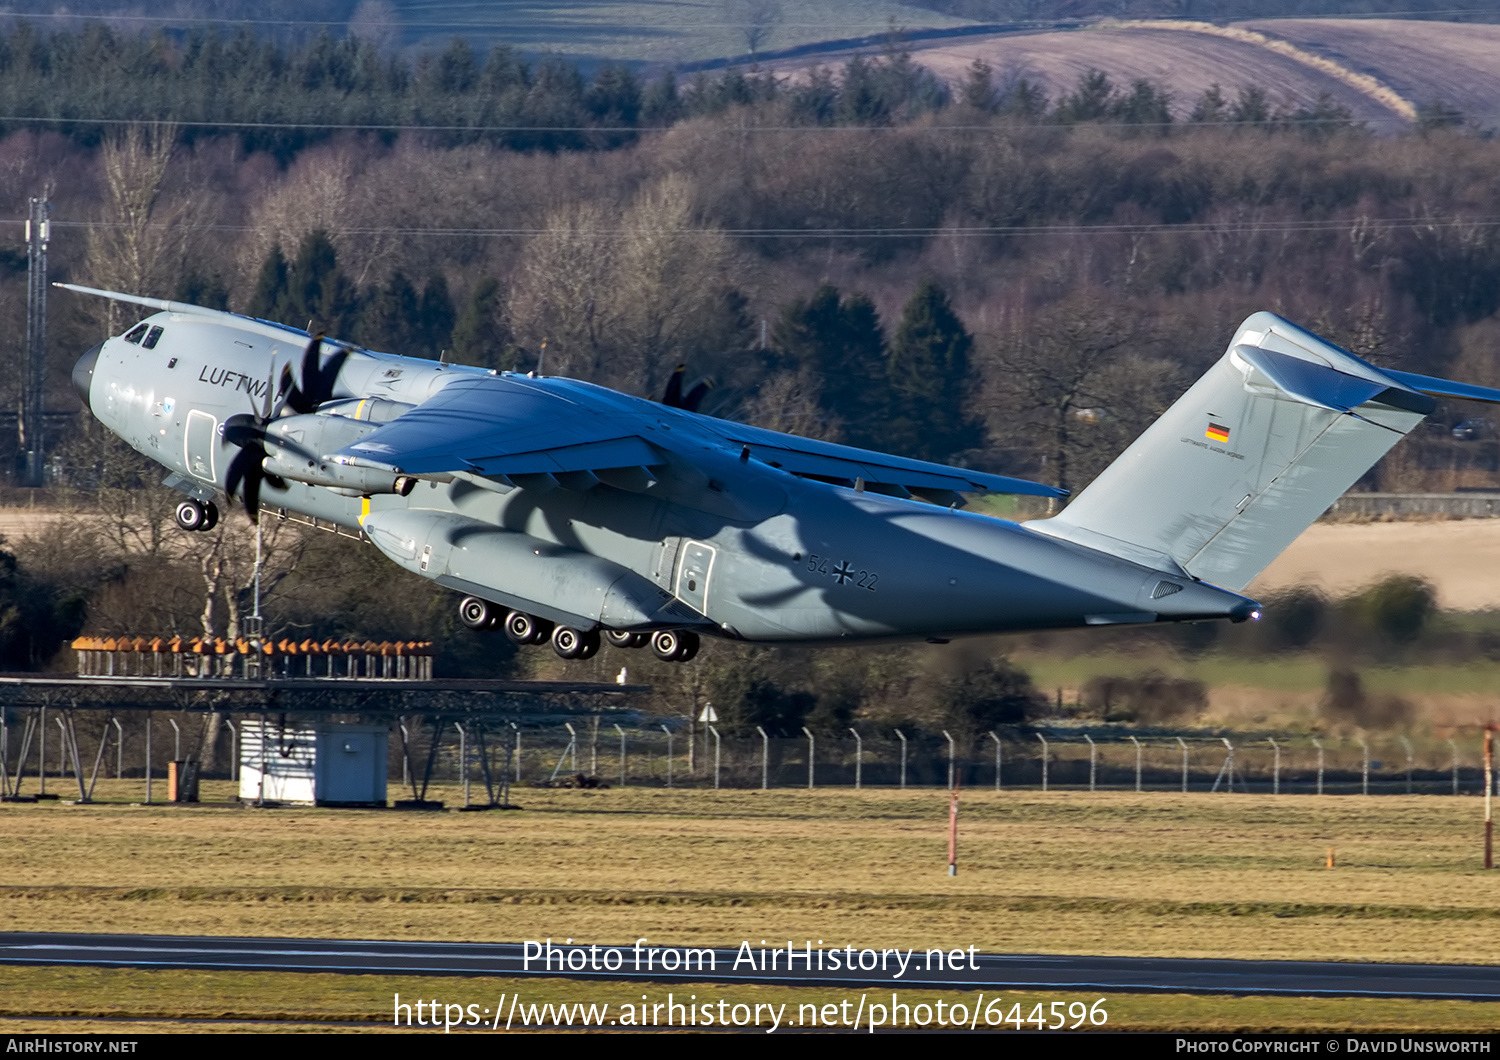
650, 30
1067, 872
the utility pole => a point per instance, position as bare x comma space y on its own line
29, 440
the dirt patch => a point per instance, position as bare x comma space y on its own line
1460, 557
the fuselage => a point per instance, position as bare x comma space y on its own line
711, 540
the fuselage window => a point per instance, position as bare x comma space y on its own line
137, 333
152, 339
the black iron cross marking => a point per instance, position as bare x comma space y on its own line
843, 572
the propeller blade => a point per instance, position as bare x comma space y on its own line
265, 405
696, 395
672, 397
245, 470
317, 379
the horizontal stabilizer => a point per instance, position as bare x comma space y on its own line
1446, 388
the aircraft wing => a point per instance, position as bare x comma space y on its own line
507, 425
499, 425
880, 472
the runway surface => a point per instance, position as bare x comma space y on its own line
769, 965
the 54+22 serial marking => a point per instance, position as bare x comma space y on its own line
842, 572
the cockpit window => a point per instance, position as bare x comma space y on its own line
151, 339
137, 333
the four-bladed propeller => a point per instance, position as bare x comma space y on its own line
674, 397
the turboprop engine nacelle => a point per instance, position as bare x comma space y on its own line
295, 448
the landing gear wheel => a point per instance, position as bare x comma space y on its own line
570, 643
476, 613
674, 645
191, 515
211, 516
620, 639
522, 628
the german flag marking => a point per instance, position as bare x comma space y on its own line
1217, 433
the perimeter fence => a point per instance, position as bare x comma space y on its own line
664, 754
1010, 759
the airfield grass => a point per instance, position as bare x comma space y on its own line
1064, 872
1304, 673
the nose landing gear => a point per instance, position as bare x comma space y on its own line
195, 515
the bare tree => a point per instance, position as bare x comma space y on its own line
139, 241
1056, 379
620, 298
669, 274
562, 295
755, 19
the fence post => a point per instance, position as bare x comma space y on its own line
622, 754
765, 759
120, 754
997, 758
1228, 767
1455, 765
1364, 774
811, 750
234, 749
902, 737
716, 755
1092, 751
148, 758
463, 758
951, 753
1039, 736
1137, 762
1183, 745
62, 748
669, 754
1319, 745
859, 760
1276, 767
1407, 744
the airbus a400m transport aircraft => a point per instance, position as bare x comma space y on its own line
567, 512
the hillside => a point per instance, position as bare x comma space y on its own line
1382, 71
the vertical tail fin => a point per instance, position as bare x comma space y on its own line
1249, 457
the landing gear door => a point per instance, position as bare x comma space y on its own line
693, 573
202, 436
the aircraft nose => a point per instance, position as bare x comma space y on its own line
83, 372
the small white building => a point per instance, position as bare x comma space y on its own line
324, 764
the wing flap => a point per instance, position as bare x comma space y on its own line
828, 460
630, 451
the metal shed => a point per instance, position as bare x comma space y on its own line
323, 764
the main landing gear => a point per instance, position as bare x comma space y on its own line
669, 645
195, 515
